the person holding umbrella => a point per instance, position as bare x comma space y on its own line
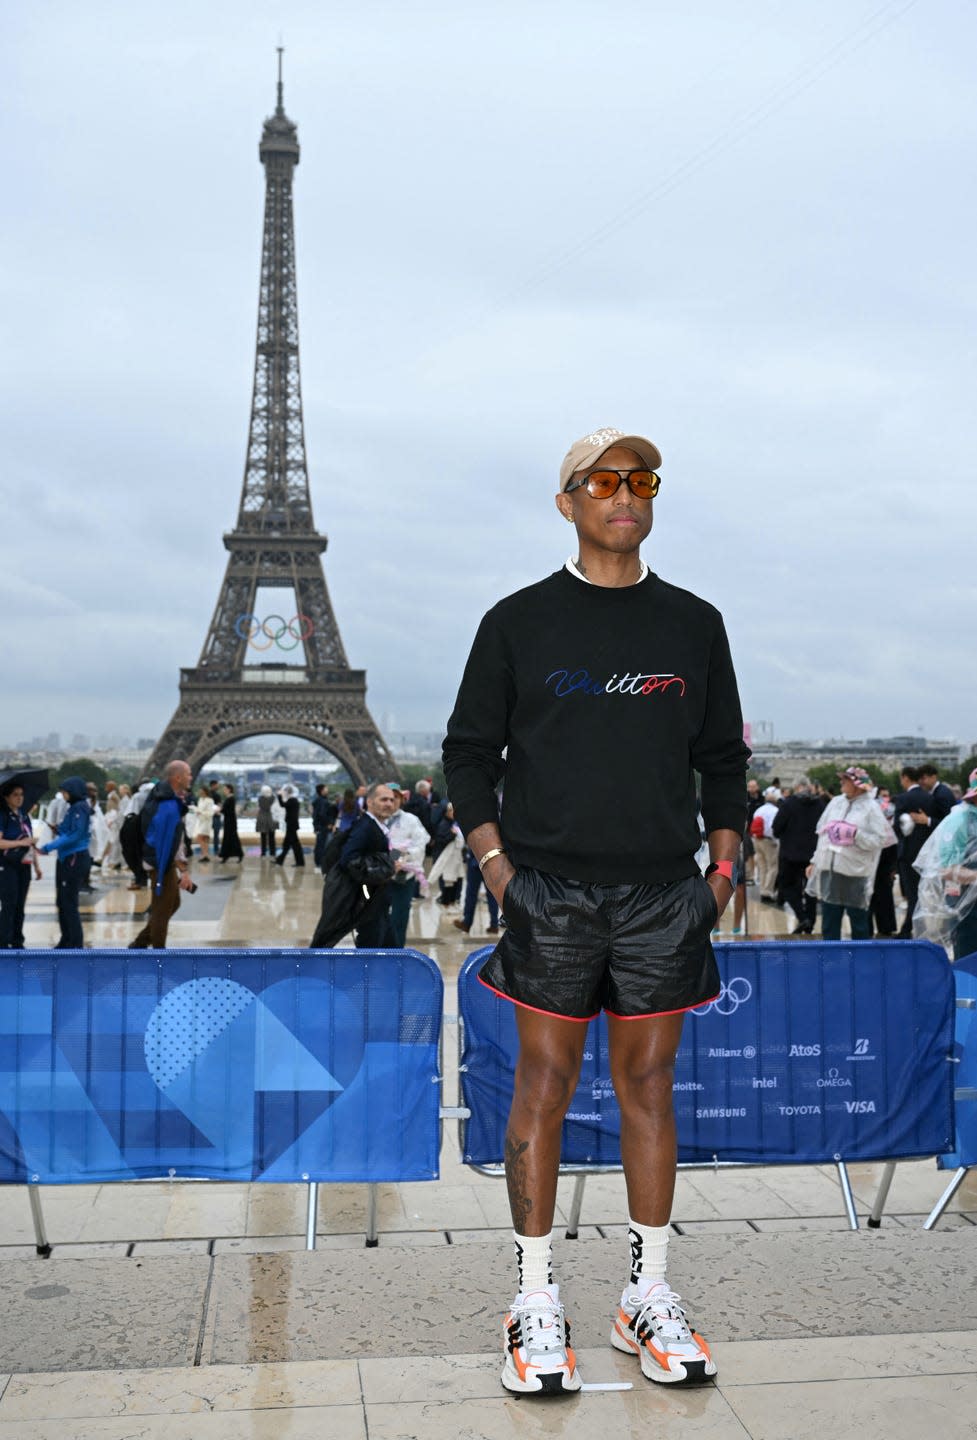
18, 858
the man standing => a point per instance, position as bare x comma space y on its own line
939, 792
605, 672
164, 852
912, 814
767, 847
325, 813
71, 845
795, 829
356, 891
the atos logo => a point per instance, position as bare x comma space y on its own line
800, 1052
860, 1107
733, 994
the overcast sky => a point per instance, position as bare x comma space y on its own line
746, 230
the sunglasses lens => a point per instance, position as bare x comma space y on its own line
644, 483
602, 483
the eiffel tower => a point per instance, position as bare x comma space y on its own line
275, 673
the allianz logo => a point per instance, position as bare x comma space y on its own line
832, 1081
799, 1109
860, 1107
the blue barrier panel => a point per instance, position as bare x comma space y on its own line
965, 1051
811, 1051
279, 1065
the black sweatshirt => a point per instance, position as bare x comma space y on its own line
608, 700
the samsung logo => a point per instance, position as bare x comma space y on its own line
719, 1114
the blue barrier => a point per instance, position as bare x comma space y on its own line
813, 1051
281, 1065
964, 1154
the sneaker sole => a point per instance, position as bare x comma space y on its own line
696, 1371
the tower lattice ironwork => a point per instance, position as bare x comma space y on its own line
275, 674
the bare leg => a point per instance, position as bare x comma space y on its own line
642, 1066
550, 1052
739, 906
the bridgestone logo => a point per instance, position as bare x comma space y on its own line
720, 1114
800, 1109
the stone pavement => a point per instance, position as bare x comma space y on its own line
193, 1309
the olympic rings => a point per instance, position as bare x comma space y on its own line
732, 995
263, 634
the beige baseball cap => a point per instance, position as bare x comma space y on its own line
589, 449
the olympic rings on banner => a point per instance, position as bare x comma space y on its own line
273, 630
731, 996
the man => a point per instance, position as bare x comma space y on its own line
754, 800
795, 829
852, 832
164, 853
408, 842
941, 795
767, 847
325, 813
355, 891
217, 824
71, 871
912, 812
474, 880
420, 805
601, 680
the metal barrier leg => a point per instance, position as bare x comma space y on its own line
846, 1191
944, 1200
576, 1204
37, 1215
371, 1217
882, 1195
312, 1215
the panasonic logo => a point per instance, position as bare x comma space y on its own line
584, 1115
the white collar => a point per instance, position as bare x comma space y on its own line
375, 820
573, 569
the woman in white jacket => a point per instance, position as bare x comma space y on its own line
852, 833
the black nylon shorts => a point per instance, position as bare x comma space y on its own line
573, 948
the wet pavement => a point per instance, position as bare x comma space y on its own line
193, 1310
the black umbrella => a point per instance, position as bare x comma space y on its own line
35, 783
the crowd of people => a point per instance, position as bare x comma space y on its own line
806, 848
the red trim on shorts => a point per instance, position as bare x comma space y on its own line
577, 1019
656, 1013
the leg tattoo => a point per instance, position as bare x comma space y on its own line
516, 1181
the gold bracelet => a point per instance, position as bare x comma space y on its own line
490, 855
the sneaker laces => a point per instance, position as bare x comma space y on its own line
543, 1325
663, 1304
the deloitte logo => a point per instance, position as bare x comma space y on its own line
733, 994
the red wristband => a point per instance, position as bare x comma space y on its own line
725, 867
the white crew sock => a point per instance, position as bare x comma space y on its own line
649, 1253
534, 1259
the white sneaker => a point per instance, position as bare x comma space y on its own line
653, 1326
536, 1336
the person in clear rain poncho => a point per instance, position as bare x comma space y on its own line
946, 910
852, 832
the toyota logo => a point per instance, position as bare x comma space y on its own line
733, 994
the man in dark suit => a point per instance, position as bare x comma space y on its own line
939, 792
911, 821
360, 868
